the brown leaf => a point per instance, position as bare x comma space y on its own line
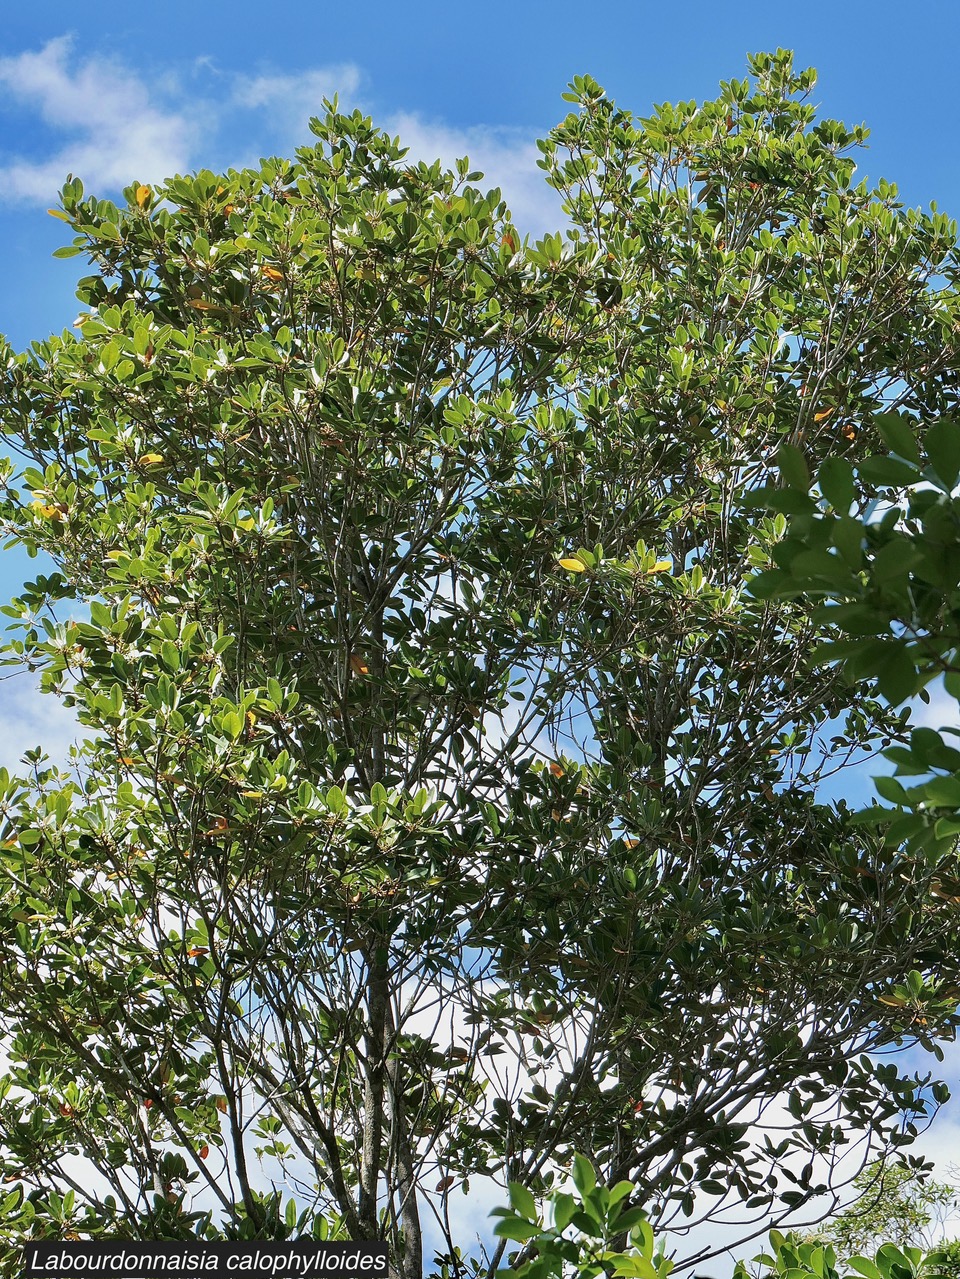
444, 1184
358, 665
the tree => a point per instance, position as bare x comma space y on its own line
896, 1205
448, 805
586, 1225
878, 545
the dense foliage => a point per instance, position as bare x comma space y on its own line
448, 805
896, 1205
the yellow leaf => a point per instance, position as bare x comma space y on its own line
358, 665
49, 512
574, 566
143, 196
823, 414
661, 566
892, 1001
556, 770
149, 459
272, 273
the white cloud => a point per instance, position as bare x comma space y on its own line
114, 132
507, 157
288, 101
31, 719
112, 126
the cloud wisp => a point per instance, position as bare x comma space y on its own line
110, 130
111, 126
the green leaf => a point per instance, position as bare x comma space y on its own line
584, 1175
523, 1201
896, 675
942, 444
890, 789
515, 1228
771, 584
896, 559
847, 536
899, 435
835, 478
564, 1206
888, 471
793, 467
943, 792
787, 500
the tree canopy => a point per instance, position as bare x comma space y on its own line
899, 1206
448, 804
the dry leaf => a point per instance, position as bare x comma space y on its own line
358, 665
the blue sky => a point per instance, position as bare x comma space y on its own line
119, 93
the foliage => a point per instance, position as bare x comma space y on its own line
896, 1205
879, 543
448, 805
792, 1257
593, 1234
